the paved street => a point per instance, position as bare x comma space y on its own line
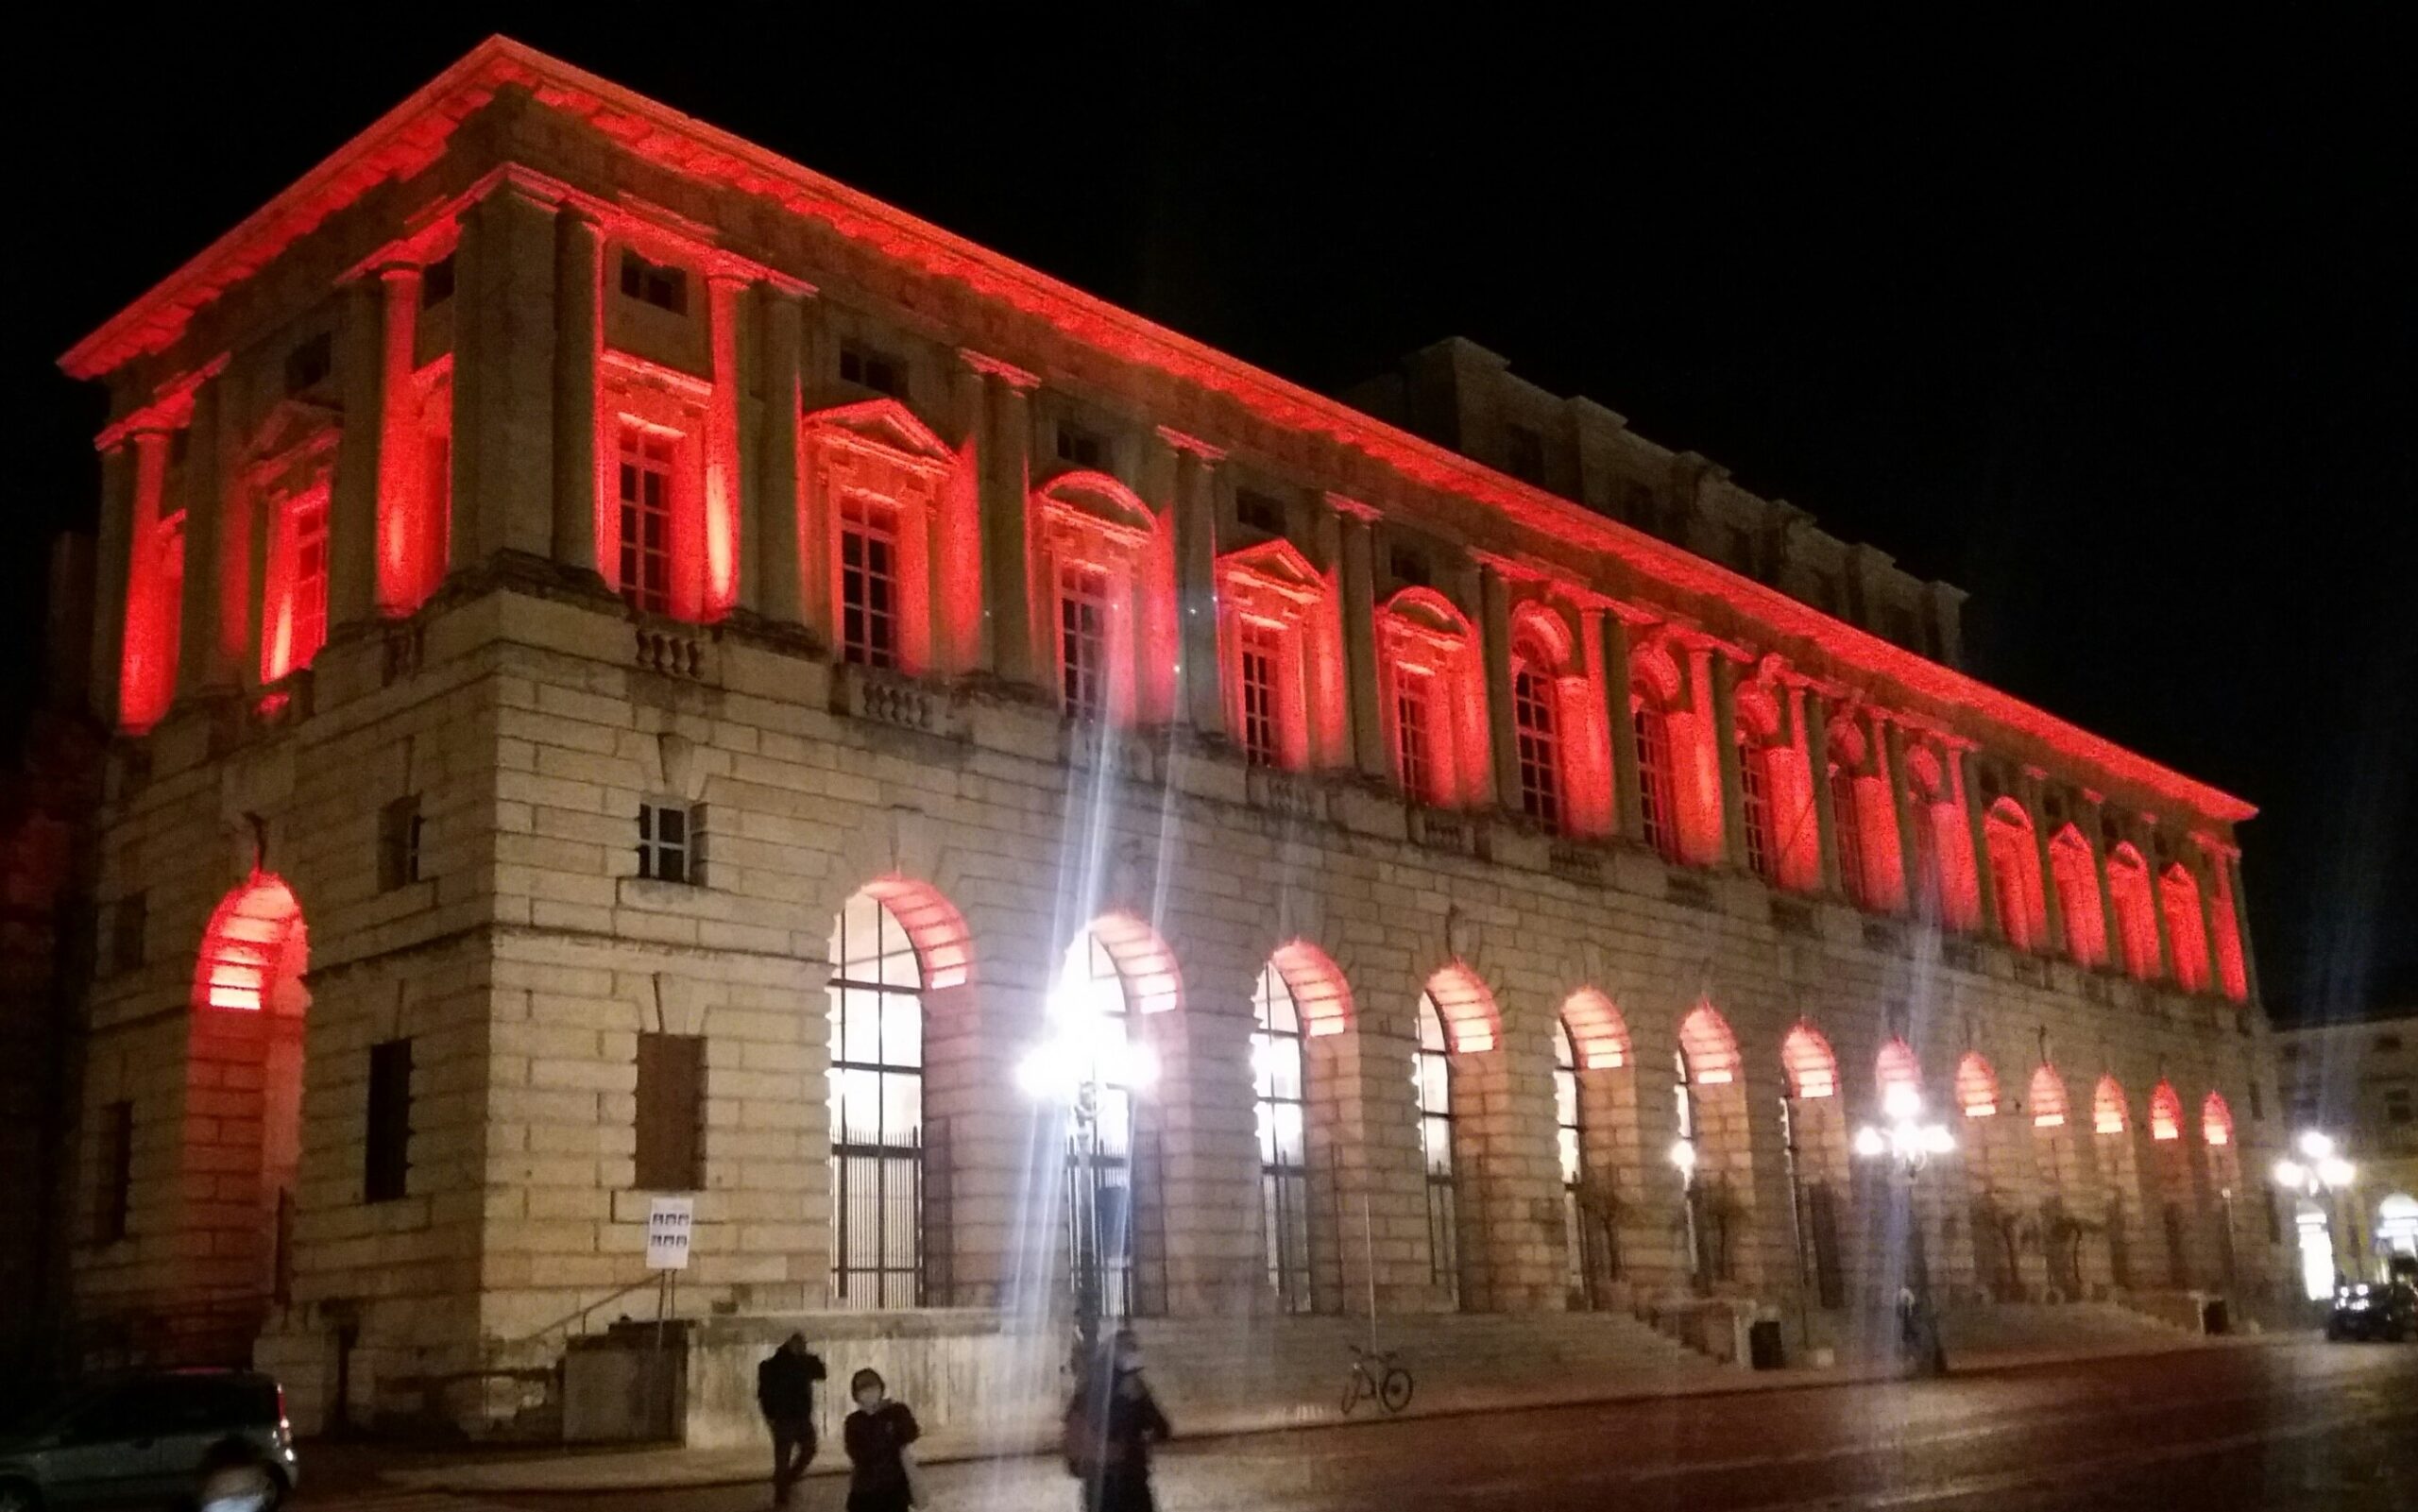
2299, 1426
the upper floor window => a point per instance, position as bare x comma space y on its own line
646, 499
1083, 639
437, 281
296, 624
1414, 736
868, 582
876, 370
1256, 511
1755, 809
1847, 834
1524, 453
2186, 934
2128, 890
1656, 796
1079, 447
309, 365
2076, 877
1534, 721
1408, 567
2387, 1043
665, 288
400, 829
1259, 657
2015, 873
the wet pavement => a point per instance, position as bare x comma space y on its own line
2303, 1425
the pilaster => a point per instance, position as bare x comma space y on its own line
504, 378
1359, 611
114, 567
775, 550
1196, 560
1005, 446
1817, 770
206, 662
578, 356
1725, 747
353, 503
407, 539
1628, 803
1494, 597
1977, 827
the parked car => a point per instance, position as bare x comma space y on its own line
143, 1441
2379, 1310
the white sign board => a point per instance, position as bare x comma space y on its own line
667, 1222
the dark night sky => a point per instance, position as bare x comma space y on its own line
2118, 332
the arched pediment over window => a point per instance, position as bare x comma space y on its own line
1097, 500
1429, 612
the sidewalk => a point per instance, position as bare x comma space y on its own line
578, 1472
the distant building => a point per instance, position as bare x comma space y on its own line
636, 669
2357, 1082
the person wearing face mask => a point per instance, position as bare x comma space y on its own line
880, 1436
1111, 1426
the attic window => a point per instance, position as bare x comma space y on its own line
437, 281
879, 371
1524, 453
1408, 567
1259, 512
309, 365
665, 288
1080, 447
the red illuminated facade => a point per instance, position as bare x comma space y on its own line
628, 552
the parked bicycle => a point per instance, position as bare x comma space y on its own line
1379, 1376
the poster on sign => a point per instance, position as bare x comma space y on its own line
669, 1220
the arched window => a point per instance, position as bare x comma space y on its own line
1432, 1093
1431, 681
2015, 868
2048, 1097
1115, 967
1977, 1086
1280, 1086
2166, 1112
1896, 1073
1805, 1057
876, 1108
2108, 1112
1596, 1030
1710, 1050
2078, 905
250, 946
2215, 1120
2128, 889
253, 956
1536, 721
1657, 794
1571, 1144
2187, 936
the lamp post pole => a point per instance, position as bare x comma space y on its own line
1908, 1142
2321, 1175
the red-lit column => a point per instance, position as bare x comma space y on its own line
2212, 968
112, 568
1725, 750
206, 664
725, 507
2229, 874
2053, 915
1618, 677
775, 550
1359, 611
144, 688
2157, 903
1494, 598
1977, 829
1816, 733
1604, 706
579, 345
404, 578
2095, 830
1329, 711
1006, 440
353, 501
1196, 565
1903, 803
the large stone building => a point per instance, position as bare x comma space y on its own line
588, 604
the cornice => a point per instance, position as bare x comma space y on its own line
1008, 373
171, 406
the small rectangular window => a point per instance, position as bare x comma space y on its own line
667, 842
671, 1099
665, 288
1255, 511
399, 836
1904, 628
876, 370
1079, 446
386, 1143
113, 1166
437, 281
2257, 1103
309, 365
130, 922
1408, 567
1524, 453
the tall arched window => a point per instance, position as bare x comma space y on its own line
1535, 719
1279, 1087
2128, 889
1092, 1003
1432, 1093
1571, 1144
2108, 1112
877, 1097
2015, 868
2078, 906
2048, 1097
253, 957
2185, 934
1656, 796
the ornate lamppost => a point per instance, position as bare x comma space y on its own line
1908, 1143
2318, 1178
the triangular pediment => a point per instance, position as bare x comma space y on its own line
885, 424
294, 425
1278, 561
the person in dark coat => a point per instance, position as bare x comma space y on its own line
881, 1472
785, 1394
1111, 1426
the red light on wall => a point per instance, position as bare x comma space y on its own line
246, 942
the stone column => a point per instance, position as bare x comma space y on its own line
1902, 803
352, 503
775, 550
2213, 969
405, 577
504, 378
1977, 822
2052, 914
579, 345
112, 568
2094, 831
1203, 699
148, 684
206, 662
1369, 754
728, 530
2240, 907
1494, 598
1004, 445
1725, 745
1628, 800
1818, 771
2157, 911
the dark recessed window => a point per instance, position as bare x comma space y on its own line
386, 1148
671, 1099
180, 443
1742, 548
1524, 453
2397, 1110
1407, 566
1636, 504
129, 920
437, 281
309, 365
399, 836
668, 842
1259, 512
1903, 628
879, 371
2387, 1044
665, 288
1081, 447
113, 1164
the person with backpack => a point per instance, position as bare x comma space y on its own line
785, 1394
1111, 1426
879, 1437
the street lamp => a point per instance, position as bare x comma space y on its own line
2318, 1177
1084, 1057
1908, 1143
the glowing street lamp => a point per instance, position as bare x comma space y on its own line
1910, 1142
2318, 1177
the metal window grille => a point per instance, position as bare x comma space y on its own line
1570, 1139
1082, 640
876, 1109
1413, 752
1656, 805
646, 492
1432, 1094
1756, 809
307, 522
1257, 652
1280, 1084
1100, 1149
868, 582
1532, 712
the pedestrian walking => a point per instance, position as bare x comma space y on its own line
880, 1436
785, 1394
1112, 1424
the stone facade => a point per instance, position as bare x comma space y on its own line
2357, 1082
408, 662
